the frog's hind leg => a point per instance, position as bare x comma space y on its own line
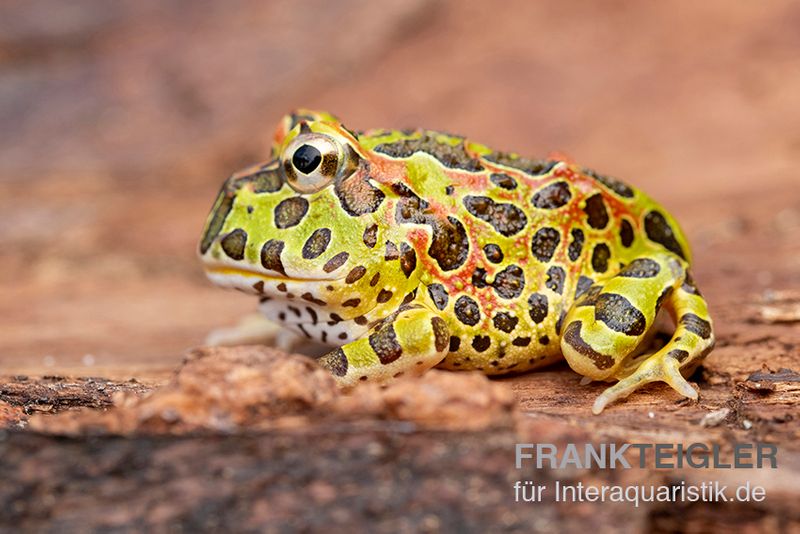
607, 325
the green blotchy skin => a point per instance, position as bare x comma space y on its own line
407, 250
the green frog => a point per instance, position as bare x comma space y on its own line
411, 249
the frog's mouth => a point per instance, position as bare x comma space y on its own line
232, 272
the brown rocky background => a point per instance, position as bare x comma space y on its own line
118, 122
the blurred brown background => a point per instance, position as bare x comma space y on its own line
119, 121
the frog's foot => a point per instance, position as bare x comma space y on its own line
410, 341
659, 367
607, 325
254, 329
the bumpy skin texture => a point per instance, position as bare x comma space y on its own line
413, 249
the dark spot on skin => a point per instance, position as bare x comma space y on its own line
493, 253
408, 259
596, 212
384, 343
356, 195
262, 300
453, 157
555, 279
317, 243
438, 295
509, 282
351, 303
467, 311
626, 233
336, 318
259, 286
455, 343
391, 252
324, 336
281, 287
572, 335
335, 362
521, 341
355, 274
249, 210
530, 166
481, 343
576, 245
360, 320
544, 243
560, 321
408, 298
600, 256
697, 325
440, 333
552, 196
222, 207
271, 256
312, 314
233, 244
479, 277
295, 311
619, 314
449, 190
689, 285
678, 354
290, 211
335, 262
538, 307
505, 321
640, 268
311, 298
282, 316
583, 285
507, 219
370, 236
383, 296
658, 230
449, 244
304, 127
374, 281
613, 184
342, 336
544, 340
410, 207
266, 180
503, 180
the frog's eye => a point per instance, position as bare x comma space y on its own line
311, 161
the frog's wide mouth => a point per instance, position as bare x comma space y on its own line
229, 271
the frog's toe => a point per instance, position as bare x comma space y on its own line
662, 368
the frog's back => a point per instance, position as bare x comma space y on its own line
540, 232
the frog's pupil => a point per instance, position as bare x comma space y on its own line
306, 159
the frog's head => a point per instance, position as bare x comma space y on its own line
303, 224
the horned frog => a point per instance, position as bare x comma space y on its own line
413, 249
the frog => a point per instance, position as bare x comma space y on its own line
408, 249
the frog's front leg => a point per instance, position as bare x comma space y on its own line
411, 340
605, 329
